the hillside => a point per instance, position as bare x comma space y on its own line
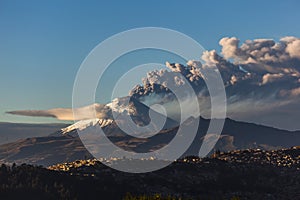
187, 178
65, 146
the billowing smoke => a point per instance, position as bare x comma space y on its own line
157, 81
264, 55
261, 77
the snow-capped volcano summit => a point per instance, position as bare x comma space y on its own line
83, 124
120, 107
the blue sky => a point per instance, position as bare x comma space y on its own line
42, 43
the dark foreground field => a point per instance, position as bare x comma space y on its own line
250, 174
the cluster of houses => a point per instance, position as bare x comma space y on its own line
281, 158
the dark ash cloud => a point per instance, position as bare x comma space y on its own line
261, 79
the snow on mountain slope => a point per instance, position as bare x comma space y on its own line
83, 124
121, 107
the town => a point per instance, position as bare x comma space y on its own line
280, 158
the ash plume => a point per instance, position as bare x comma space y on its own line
261, 79
260, 76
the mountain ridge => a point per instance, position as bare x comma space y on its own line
61, 148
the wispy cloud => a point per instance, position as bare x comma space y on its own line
66, 113
261, 77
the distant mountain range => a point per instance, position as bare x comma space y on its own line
10, 132
64, 145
